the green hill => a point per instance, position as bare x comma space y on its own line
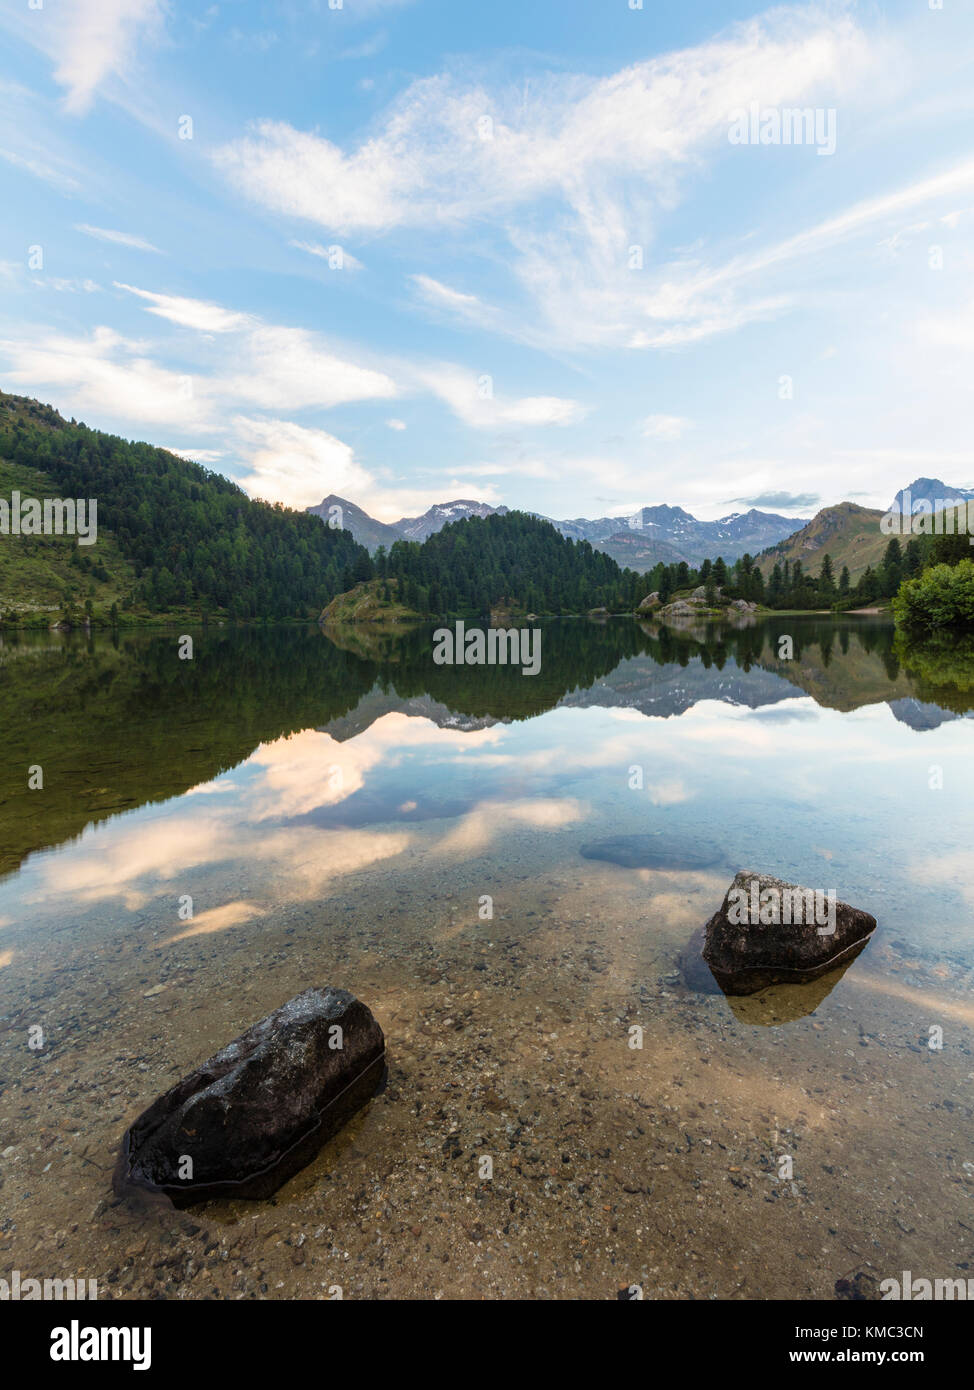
42, 575
514, 563
847, 532
173, 537
365, 604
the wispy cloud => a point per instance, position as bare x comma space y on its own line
190, 313
574, 174
664, 427
66, 183
90, 41
104, 375
337, 257
137, 243
473, 400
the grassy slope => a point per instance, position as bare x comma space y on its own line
847, 532
363, 605
36, 572
37, 576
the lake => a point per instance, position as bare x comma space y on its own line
290, 808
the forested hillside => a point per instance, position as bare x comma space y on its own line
519, 560
190, 538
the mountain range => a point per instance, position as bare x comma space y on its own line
637, 541
847, 531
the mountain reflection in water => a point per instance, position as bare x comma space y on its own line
118, 721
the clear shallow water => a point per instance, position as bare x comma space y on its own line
338, 811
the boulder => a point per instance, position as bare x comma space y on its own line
770, 932
701, 591
259, 1110
652, 600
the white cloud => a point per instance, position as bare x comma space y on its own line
472, 400
107, 376
441, 296
290, 369
91, 40
573, 172
954, 329
276, 367
66, 286
190, 313
337, 257
137, 243
298, 466
665, 427
395, 424
449, 152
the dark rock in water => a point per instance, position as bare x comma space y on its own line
769, 932
651, 852
259, 1110
696, 972
860, 1288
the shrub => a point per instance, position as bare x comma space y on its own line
942, 596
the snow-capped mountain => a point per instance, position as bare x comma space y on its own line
638, 540
417, 528
672, 534
337, 511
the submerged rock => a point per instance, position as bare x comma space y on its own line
651, 852
259, 1110
696, 973
770, 932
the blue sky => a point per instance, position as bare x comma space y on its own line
562, 285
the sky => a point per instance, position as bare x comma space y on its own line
525, 252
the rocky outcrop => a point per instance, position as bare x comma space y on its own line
259, 1110
770, 932
652, 600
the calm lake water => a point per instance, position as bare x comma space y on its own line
339, 811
